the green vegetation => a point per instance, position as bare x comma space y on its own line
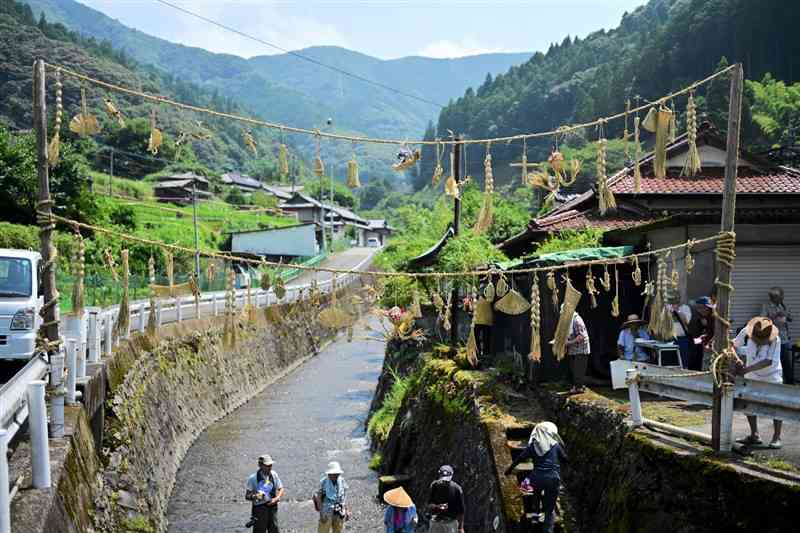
376, 461
570, 240
382, 421
776, 110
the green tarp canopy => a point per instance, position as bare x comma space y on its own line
568, 256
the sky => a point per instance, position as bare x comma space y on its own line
380, 28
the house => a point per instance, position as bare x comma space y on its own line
280, 193
244, 183
341, 218
307, 208
298, 240
180, 188
674, 209
378, 229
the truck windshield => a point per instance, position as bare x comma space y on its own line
15, 277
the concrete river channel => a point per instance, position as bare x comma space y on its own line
314, 415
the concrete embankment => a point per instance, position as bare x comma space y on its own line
162, 393
617, 479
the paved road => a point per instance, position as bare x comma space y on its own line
350, 258
312, 416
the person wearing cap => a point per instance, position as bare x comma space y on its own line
681, 315
330, 500
401, 514
264, 489
777, 311
760, 343
546, 449
446, 503
701, 330
626, 343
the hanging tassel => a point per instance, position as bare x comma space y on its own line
83, 123
472, 345
451, 185
571, 299
113, 112
54, 148
688, 262
79, 271
352, 173
110, 264
615, 301
663, 121
123, 322
590, 287
551, 284
250, 141
283, 161
675, 277
438, 170
416, 308
535, 354
637, 168
693, 164
319, 166
229, 329
156, 138
606, 281
484, 220
673, 123
637, 272
606, 199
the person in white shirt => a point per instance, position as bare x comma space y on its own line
681, 316
760, 343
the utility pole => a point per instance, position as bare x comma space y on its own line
196, 235
111, 173
721, 328
49, 311
333, 171
456, 228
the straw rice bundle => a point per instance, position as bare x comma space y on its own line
513, 303
591, 290
113, 112
83, 123
156, 137
484, 315
54, 147
535, 354
606, 198
660, 326
606, 280
319, 166
673, 124
571, 299
484, 220
352, 173
79, 271
615, 301
662, 138
693, 164
283, 160
472, 346
551, 284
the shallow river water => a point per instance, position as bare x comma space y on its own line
310, 417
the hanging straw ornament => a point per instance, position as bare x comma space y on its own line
110, 264
123, 322
637, 168
606, 280
658, 121
675, 277
660, 326
180, 142
283, 161
409, 159
551, 284
688, 262
512, 302
83, 123
615, 301
250, 141
591, 289
152, 319
451, 184
606, 198
472, 345
524, 162
229, 328
156, 137
567, 315
637, 272
279, 287
438, 170
319, 165
502, 287
693, 164
352, 173
416, 308
626, 135
535, 354
79, 271
484, 220
54, 147
113, 112
447, 311
265, 282
673, 124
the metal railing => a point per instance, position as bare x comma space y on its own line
87, 340
773, 400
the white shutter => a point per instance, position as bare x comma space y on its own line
757, 268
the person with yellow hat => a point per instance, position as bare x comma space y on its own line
760, 343
401, 515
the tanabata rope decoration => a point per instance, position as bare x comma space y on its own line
438, 170
411, 159
113, 112
229, 328
673, 123
551, 284
250, 141
535, 354
675, 277
512, 302
484, 220
156, 137
615, 301
319, 165
416, 308
54, 148
110, 264
660, 318
283, 160
352, 173
658, 121
693, 163
571, 298
626, 136
524, 163
606, 199
83, 123
688, 262
472, 344
79, 271
606, 281
637, 272
591, 290
283, 127
123, 322
451, 184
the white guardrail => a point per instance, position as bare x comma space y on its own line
772, 400
88, 339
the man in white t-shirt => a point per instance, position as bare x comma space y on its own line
760, 343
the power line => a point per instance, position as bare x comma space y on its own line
301, 56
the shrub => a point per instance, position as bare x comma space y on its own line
380, 425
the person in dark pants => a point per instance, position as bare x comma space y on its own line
264, 489
700, 330
777, 311
446, 503
546, 449
578, 351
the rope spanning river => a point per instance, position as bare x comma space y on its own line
310, 417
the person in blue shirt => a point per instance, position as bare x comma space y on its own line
546, 449
265, 490
330, 500
401, 514
626, 343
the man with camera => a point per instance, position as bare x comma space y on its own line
264, 489
446, 503
331, 500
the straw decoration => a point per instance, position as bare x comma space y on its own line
535, 354
451, 184
152, 319
447, 311
472, 344
352, 173
484, 220
637, 167
229, 328
250, 309
571, 299
660, 326
111, 265
606, 198
637, 272
54, 147
615, 301
411, 160
83, 123
113, 112
626, 136
673, 124
606, 280
551, 284
524, 163
688, 262
79, 271
265, 282
512, 302
319, 165
123, 322
416, 308
283, 161
663, 122
675, 277
250, 141
693, 164
156, 137
438, 170
591, 290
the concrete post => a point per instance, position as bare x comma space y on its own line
214, 311
726, 418
72, 365
57, 395
631, 377
108, 326
40, 447
178, 309
142, 317
80, 361
5, 497
94, 337
159, 319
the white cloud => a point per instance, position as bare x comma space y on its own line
445, 48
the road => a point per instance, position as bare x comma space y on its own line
348, 259
310, 417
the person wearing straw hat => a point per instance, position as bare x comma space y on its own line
401, 515
330, 500
264, 489
446, 503
626, 342
760, 343
546, 449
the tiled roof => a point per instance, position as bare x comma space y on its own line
574, 219
710, 181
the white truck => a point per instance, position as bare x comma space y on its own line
19, 303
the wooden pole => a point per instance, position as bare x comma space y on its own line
721, 329
49, 310
456, 229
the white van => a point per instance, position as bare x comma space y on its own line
19, 303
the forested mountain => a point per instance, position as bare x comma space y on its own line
656, 49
